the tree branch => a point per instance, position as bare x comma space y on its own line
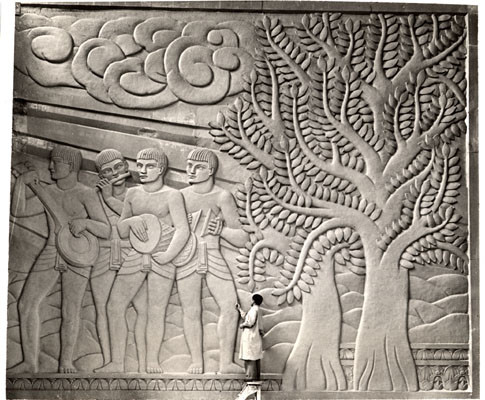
246, 144
371, 157
324, 227
299, 72
361, 181
391, 208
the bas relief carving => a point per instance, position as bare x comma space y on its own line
353, 224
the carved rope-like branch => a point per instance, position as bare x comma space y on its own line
395, 199
275, 93
255, 151
324, 227
441, 56
417, 230
443, 183
371, 157
452, 249
380, 49
261, 114
361, 181
397, 130
299, 72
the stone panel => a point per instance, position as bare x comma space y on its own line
170, 161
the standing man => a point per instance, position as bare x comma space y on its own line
251, 351
113, 171
213, 215
68, 205
155, 199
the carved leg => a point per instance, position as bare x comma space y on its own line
140, 302
101, 288
124, 289
159, 290
73, 289
224, 293
190, 289
36, 288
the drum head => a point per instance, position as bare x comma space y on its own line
79, 251
154, 231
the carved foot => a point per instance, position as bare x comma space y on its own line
22, 368
154, 368
195, 368
232, 368
67, 369
111, 367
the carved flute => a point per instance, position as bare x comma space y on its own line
119, 178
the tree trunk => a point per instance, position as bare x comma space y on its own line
314, 362
383, 358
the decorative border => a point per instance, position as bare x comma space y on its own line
80, 383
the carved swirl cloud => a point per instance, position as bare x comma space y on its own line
201, 65
136, 63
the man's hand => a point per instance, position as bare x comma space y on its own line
77, 226
161, 257
215, 226
139, 228
31, 176
238, 306
242, 326
105, 187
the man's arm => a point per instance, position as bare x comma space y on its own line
97, 223
176, 207
21, 206
106, 191
232, 232
127, 221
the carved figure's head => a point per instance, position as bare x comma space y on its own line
257, 299
64, 161
151, 164
201, 165
110, 164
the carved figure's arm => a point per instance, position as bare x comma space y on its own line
115, 204
105, 188
232, 232
97, 223
176, 206
125, 217
21, 205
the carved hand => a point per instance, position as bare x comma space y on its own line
77, 226
139, 228
189, 218
161, 257
29, 177
105, 187
215, 226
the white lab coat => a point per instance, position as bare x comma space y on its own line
251, 339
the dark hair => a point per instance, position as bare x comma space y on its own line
258, 299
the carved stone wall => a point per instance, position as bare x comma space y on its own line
342, 134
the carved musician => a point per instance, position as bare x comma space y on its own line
75, 219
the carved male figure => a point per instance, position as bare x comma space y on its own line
113, 171
213, 215
72, 206
152, 198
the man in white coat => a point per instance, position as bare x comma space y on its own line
251, 351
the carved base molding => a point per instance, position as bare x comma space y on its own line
134, 382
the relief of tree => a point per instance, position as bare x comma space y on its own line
350, 125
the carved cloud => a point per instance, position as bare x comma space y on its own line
206, 63
136, 63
